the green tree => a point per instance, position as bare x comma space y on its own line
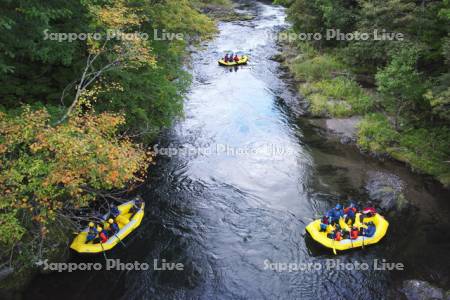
401, 84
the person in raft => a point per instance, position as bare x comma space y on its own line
92, 232
370, 230
226, 58
111, 228
367, 212
137, 205
354, 232
114, 211
324, 224
336, 234
236, 58
102, 236
370, 210
335, 214
350, 213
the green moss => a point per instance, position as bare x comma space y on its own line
426, 150
337, 97
316, 68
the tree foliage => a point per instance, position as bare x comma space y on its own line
411, 75
49, 171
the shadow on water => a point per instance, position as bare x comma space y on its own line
252, 175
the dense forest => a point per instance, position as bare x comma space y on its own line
85, 84
400, 86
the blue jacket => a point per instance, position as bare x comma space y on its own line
370, 231
114, 227
92, 234
335, 214
350, 213
115, 211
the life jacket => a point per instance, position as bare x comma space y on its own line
370, 231
371, 210
115, 211
92, 231
103, 237
236, 58
354, 234
137, 206
338, 236
114, 227
348, 210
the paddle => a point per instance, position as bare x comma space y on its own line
363, 240
120, 240
334, 249
103, 250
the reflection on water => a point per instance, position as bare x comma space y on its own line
224, 213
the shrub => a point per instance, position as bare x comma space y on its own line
339, 97
317, 68
376, 134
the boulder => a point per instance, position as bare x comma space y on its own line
386, 190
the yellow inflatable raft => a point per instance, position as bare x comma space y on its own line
379, 221
242, 61
127, 224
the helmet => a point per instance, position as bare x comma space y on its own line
99, 228
91, 224
110, 221
338, 206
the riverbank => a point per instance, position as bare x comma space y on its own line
337, 102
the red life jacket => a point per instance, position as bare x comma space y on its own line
371, 210
338, 236
354, 234
103, 237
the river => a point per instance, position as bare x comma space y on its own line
247, 177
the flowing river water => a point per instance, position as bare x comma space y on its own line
248, 176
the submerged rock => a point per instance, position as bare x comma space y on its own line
422, 290
386, 190
347, 140
277, 58
344, 127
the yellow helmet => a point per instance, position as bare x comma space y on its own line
110, 221
91, 224
99, 228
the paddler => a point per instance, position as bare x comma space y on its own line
113, 228
92, 232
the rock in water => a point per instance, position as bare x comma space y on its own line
386, 190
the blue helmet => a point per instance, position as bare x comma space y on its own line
338, 206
